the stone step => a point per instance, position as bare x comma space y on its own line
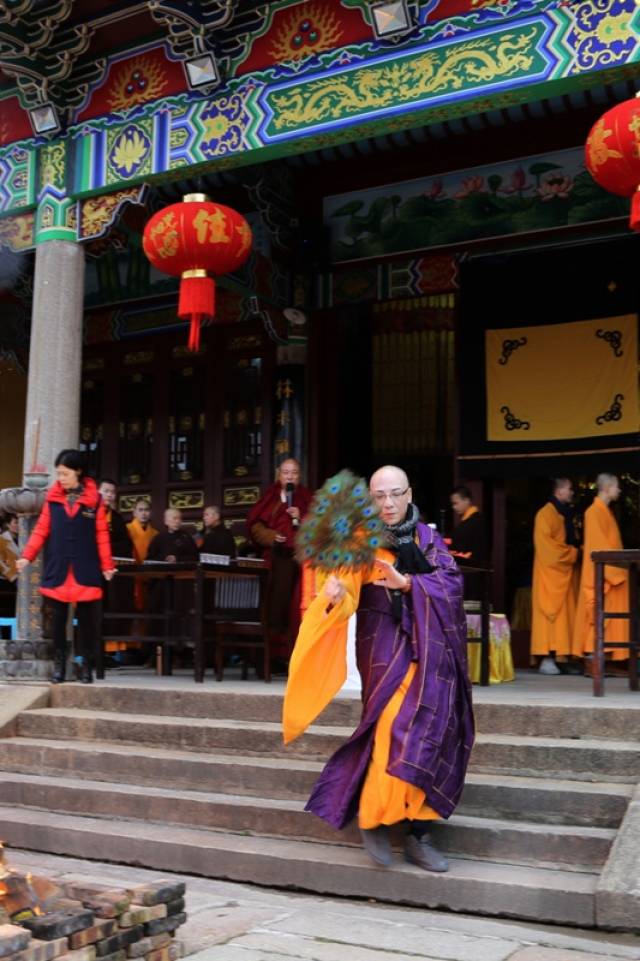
531, 893
584, 759
579, 848
255, 738
511, 716
587, 759
486, 795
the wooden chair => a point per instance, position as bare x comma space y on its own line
238, 620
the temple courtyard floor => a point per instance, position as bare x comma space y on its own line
232, 921
240, 922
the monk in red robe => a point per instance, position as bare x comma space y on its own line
273, 524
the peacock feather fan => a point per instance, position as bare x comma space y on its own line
342, 528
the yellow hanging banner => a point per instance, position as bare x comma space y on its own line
563, 381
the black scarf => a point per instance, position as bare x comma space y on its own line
400, 539
568, 512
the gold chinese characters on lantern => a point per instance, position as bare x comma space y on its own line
612, 154
197, 240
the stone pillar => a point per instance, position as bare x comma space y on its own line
53, 413
55, 353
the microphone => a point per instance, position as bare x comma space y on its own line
289, 489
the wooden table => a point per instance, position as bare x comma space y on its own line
196, 574
631, 561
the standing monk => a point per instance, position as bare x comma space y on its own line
468, 541
555, 584
407, 759
601, 533
141, 533
118, 533
273, 524
120, 597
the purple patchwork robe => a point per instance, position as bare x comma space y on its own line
433, 733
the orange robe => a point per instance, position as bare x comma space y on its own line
555, 586
140, 539
601, 533
317, 671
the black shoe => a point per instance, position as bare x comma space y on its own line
59, 669
83, 670
424, 853
377, 844
569, 667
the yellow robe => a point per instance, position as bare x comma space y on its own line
140, 538
555, 586
317, 671
601, 533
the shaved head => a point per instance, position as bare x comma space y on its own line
390, 490
605, 480
608, 487
388, 476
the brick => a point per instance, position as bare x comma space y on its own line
12, 939
160, 940
84, 954
165, 924
169, 953
116, 942
100, 930
158, 892
116, 956
137, 914
65, 904
84, 892
104, 901
175, 907
60, 924
140, 948
43, 950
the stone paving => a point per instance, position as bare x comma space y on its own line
234, 922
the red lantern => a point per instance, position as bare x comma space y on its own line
613, 154
190, 240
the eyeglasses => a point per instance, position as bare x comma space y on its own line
394, 496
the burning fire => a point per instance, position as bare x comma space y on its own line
18, 895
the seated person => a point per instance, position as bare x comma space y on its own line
9, 554
174, 544
216, 539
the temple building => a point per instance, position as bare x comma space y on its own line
414, 177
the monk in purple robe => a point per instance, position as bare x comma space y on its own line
407, 759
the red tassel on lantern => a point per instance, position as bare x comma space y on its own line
196, 303
635, 210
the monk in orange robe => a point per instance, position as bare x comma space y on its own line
555, 581
601, 533
141, 533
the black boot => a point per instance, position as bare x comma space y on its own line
83, 670
59, 667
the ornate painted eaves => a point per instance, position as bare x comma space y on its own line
346, 95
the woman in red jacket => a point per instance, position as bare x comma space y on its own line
73, 530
